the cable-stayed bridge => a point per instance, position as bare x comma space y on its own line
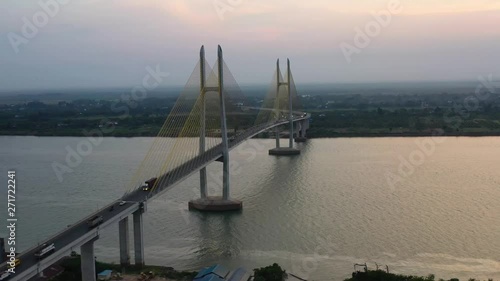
210, 117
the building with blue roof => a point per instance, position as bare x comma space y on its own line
239, 274
105, 275
210, 277
215, 270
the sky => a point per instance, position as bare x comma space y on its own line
110, 43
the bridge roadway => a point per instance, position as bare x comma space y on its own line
79, 233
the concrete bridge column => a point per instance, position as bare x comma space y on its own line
277, 136
138, 238
290, 103
277, 114
305, 127
2, 250
301, 134
88, 261
203, 171
40, 273
124, 242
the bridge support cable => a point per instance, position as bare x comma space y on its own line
179, 138
166, 141
212, 127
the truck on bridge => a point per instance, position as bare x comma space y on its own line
95, 221
148, 185
45, 250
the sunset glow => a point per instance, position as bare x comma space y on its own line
101, 32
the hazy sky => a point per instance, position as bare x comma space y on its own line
108, 43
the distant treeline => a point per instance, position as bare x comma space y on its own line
339, 115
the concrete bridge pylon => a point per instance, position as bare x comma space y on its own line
278, 150
224, 202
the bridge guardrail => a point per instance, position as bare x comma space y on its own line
59, 233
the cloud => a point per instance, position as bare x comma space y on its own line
107, 42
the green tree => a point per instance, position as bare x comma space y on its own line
270, 273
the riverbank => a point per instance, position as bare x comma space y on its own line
379, 275
71, 272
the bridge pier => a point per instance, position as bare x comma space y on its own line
284, 151
88, 261
301, 133
124, 242
215, 204
277, 136
138, 238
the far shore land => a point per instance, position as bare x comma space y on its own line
316, 135
370, 114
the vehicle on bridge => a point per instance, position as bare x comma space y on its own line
149, 184
46, 249
5, 276
17, 262
95, 221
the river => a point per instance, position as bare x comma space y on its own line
418, 205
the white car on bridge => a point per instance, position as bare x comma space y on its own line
5, 275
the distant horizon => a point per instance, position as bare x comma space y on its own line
121, 88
